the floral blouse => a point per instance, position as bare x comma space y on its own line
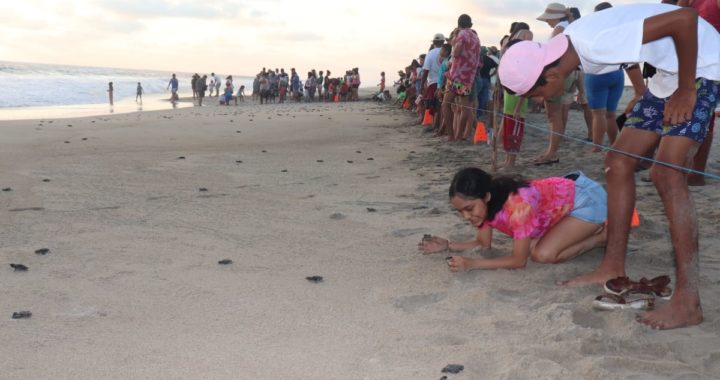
533, 210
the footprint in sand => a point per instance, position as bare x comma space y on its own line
415, 302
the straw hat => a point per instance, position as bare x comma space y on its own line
554, 11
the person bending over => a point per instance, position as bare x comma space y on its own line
550, 220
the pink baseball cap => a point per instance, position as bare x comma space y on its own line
522, 64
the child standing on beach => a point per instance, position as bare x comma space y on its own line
550, 220
673, 112
110, 92
139, 93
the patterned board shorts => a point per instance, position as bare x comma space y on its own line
460, 88
648, 113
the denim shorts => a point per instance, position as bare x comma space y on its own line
590, 199
648, 113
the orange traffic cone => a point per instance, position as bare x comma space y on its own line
428, 119
336, 98
480, 133
406, 104
635, 221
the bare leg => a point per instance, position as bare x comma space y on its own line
684, 308
599, 126
611, 126
555, 119
447, 114
700, 160
567, 239
620, 174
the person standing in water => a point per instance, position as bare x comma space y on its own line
110, 92
139, 93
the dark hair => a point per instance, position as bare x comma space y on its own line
603, 5
448, 48
575, 13
518, 26
541, 79
464, 21
474, 183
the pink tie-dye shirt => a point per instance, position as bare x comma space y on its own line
533, 210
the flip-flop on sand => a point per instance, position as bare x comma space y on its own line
657, 286
634, 301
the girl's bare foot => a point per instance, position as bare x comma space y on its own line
683, 310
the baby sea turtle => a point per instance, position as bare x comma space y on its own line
181, 158
46, 180
427, 237
202, 189
350, 162
370, 159
7, 189
314, 279
42, 251
370, 209
19, 267
21, 315
225, 262
284, 170
238, 161
453, 368
320, 161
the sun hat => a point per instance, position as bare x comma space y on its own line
523, 63
554, 11
438, 37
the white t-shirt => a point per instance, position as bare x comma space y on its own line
608, 39
432, 65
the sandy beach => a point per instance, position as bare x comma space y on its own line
137, 209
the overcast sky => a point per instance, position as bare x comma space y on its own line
242, 36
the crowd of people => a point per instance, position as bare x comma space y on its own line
276, 85
669, 121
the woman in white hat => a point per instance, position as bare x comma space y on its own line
557, 16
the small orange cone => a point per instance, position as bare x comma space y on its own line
406, 104
480, 133
336, 98
428, 119
635, 221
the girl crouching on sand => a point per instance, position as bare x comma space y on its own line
550, 220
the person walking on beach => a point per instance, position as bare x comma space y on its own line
201, 86
673, 112
110, 92
173, 85
550, 220
139, 93
218, 82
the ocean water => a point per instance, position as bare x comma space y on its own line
42, 86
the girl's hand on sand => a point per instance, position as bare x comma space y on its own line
680, 106
434, 245
457, 264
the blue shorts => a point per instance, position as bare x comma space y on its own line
648, 113
590, 200
603, 91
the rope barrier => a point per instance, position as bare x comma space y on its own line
603, 147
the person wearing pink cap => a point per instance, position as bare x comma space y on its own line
674, 111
